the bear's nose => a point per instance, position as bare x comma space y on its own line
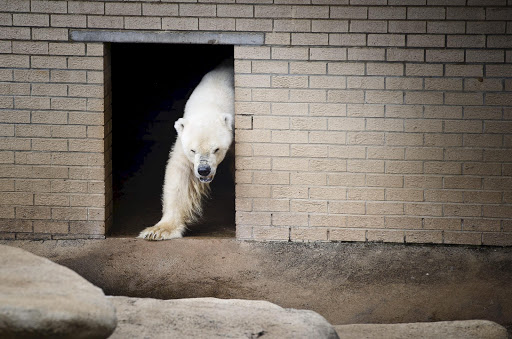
203, 170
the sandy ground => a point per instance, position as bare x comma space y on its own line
347, 283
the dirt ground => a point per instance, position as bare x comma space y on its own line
347, 283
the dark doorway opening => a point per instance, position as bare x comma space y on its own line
150, 86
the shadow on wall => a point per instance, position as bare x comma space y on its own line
150, 86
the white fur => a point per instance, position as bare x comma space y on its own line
207, 129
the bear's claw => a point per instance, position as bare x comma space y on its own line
160, 232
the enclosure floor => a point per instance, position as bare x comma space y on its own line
345, 282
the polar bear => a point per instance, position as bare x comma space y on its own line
205, 135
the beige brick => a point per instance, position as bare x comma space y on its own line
294, 81
327, 220
302, 123
235, 11
377, 180
446, 27
345, 96
409, 26
347, 39
425, 237
332, 53
86, 7
87, 63
270, 67
466, 126
48, 6
462, 238
290, 108
347, 152
31, 103
466, 41
347, 207
15, 33
252, 135
403, 111
419, 209
404, 139
33, 20
423, 70
307, 95
420, 181
271, 233
310, 206
365, 166
368, 26
289, 219
327, 138
465, 210
443, 196
393, 194
346, 179
363, 221
501, 211
32, 212
368, 53
339, 234
248, 163
329, 26
404, 167
462, 183
401, 222
277, 38
326, 109
365, 138
355, 110
274, 205
438, 167
309, 39
346, 124
197, 10
68, 104
396, 153
308, 68
291, 192
426, 98
384, 97
349, 12
292, 25
302, 178
442, 55
385, 236
384, 208
426, 40
14, 89
396, 40
485, 225
105, 21
346, 68
425, 13
68, 21
291, 53
142, 23
254, 25
51, 34
365, 82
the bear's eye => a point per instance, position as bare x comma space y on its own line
216, 150
193, 151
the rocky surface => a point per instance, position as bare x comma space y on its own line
214, 318
39, 299
469, 329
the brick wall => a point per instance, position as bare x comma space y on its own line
357, 120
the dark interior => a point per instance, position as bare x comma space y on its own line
150, 86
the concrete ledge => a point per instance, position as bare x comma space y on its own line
468, 329
213, 38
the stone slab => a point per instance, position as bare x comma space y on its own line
215, 318
468, 329
41, 299
214, 38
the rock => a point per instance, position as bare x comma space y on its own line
468, 329
39, 299
214, 318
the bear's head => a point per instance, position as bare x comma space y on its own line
205, 143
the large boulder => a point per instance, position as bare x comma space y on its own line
467, 329
39, 299
214, 318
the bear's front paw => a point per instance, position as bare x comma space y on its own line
161, 232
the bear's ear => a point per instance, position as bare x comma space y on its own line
179, 125
228, 120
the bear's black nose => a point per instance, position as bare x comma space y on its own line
203, 170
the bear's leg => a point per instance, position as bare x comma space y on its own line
181, 199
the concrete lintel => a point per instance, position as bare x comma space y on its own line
229, 38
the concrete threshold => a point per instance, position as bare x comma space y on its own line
347, 283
